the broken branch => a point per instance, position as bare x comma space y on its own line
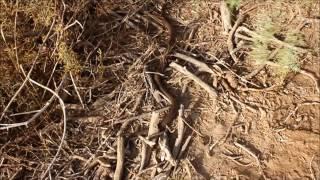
205, 86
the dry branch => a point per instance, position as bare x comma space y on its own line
180, 129
38, 113
146, 151
55, 96
184, 146
28, 75
225, 17
164, 146
120, 158
76, 89
200, 65
248, 151
64, 123
205, 86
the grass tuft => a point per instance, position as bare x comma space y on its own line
269, 26
69, 58
233, 4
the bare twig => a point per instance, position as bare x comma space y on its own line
200, 65
38, 112
192, 128
236, 160
51, 76
153, 129
181, 130
205, 86
248, 151
18, 91
64, 124
243, 104
24, 113
120, 158
6, 126
184, 146
28, 75
15, 37
225, 17
164, 146
228, 68
76, 89
311, 169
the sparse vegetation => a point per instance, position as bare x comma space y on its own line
264, 50
233, 4
108, 64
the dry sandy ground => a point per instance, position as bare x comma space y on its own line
267, 128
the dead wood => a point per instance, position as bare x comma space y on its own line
197, 80
146, 149
118, 174
225, 17
180, 130
200, 65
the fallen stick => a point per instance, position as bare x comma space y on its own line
184, 146
165, 149
28, 74
225, 17
64, 115
248, 151
200, 65
181, 130
146, 151
39, 112
120, 158
205, 86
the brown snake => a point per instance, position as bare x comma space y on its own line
173, 104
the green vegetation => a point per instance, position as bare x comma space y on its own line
265, 51
233, 4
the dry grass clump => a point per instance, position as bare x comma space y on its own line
68, 57
36, 36
103, 60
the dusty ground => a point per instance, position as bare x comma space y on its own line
264, 127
